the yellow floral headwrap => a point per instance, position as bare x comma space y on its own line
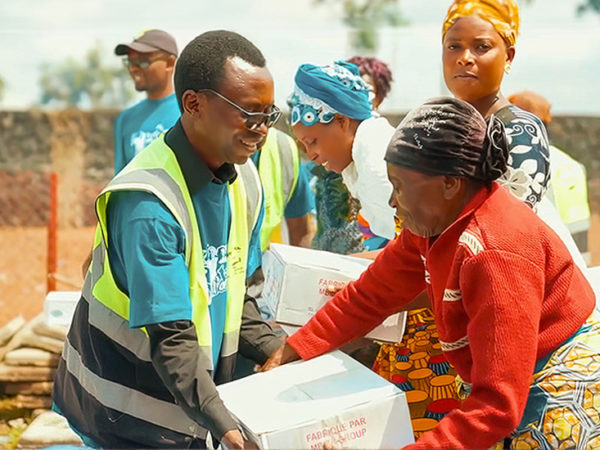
502, 14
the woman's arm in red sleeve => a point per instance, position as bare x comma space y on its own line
389, 283
502, 294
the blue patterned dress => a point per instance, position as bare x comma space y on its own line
528, 172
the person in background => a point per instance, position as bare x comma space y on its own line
286, 188
568, 186
164, 309
332, 117
150, 59
376, 74
515, 315
287, 195
340, 229
479, 41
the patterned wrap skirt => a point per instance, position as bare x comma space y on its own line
563, 407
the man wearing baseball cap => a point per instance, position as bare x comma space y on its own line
150, 60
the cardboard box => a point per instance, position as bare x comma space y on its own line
296, 282
59, 307
330, 399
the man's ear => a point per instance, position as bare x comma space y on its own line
193, 103
171, 63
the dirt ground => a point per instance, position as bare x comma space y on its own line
23, 265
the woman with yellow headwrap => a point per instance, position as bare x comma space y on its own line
479, 38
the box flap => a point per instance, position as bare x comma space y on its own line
347, 265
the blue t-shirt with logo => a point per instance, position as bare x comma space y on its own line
139, 125
146, 246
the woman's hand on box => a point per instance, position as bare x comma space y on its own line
282, 355
333, 289
329, 446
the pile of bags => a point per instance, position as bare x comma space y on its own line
29, 355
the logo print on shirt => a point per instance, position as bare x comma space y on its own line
215, 268
140, 139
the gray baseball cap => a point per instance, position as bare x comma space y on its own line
149, 41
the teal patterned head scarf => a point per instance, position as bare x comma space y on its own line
321, 92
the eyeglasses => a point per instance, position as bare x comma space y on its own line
141, 63
253, 119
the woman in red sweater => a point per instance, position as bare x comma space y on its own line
514, 314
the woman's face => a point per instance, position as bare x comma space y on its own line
474, 58
328, 144
426, 205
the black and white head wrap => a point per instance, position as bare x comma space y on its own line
447, 136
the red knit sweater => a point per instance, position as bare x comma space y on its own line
505, 292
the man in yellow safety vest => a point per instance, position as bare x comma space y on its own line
164, 308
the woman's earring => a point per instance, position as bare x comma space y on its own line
507, 68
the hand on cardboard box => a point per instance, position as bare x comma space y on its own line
333, 289
282, 355
233, 439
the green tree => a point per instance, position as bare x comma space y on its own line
589, 5
364, 17
87, 82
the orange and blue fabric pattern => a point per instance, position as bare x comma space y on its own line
418, 367
563, 408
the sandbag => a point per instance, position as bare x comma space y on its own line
31, 357
48, 429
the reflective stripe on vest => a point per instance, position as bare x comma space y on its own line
279, 164
254, 191
129, 401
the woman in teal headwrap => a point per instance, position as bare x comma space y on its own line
332, 117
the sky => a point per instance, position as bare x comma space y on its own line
558, 53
